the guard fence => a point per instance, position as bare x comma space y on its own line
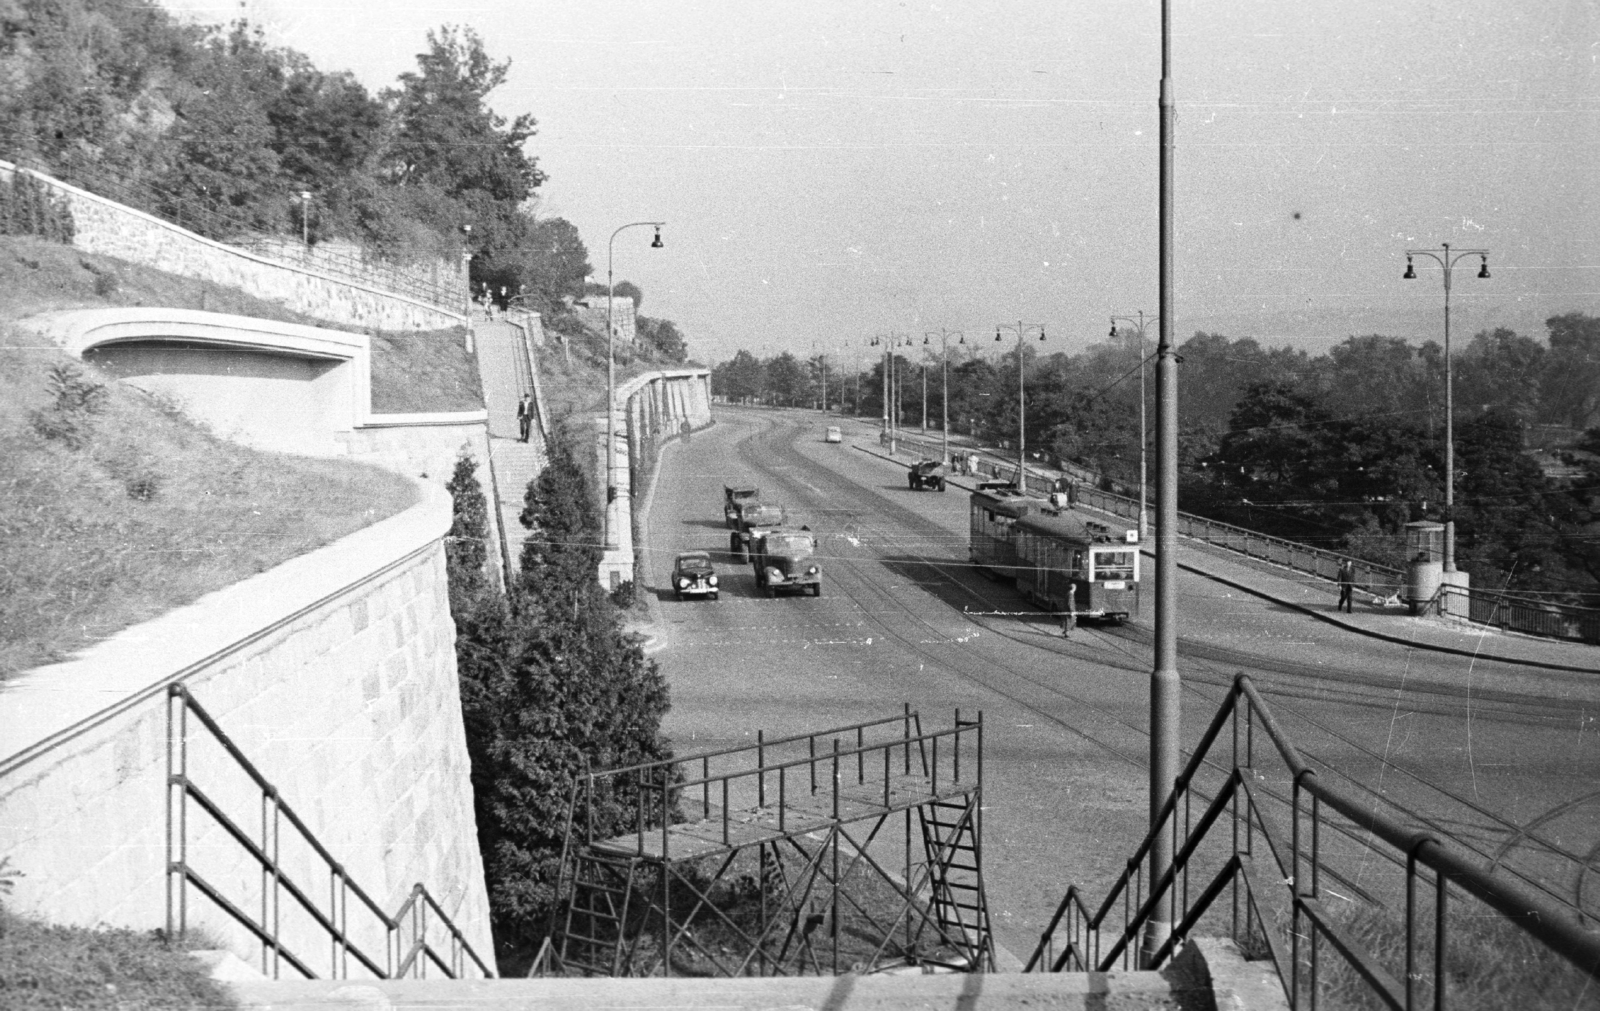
291, 889
1352, 906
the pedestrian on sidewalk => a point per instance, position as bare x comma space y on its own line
1347, 586
525, 417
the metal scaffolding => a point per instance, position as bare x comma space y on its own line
770, 859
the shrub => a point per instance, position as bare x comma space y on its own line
74, 402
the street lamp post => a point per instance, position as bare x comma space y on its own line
305, 218
1139, 322
1447, 260
611, 374
944, 397
1022, 330
466, 274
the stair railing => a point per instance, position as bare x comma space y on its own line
407, 950
1281, 903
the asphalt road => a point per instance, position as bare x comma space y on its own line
1501, 757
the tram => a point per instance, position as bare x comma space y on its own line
996, 508
1068, 563
1058, 557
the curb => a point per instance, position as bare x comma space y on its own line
1319, 615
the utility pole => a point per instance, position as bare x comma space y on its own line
944, 399
1139, 322
1165, 686
1022, 330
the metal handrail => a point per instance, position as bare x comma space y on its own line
265, 854
1294, 883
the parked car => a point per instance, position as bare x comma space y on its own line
732, 495
833, 434
694, 576
785, 559
926, 474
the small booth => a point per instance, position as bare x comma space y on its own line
1425, 563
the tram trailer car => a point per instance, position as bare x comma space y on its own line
996, 507
1068, 563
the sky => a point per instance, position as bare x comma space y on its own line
830, 170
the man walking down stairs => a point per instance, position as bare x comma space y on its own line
516, 439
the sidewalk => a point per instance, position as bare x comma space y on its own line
1317, 598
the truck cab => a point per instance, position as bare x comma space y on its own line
750, 516
786, 559
732, 495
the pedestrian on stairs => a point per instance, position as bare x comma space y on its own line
525, 416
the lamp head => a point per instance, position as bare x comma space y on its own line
1041, 333
926, 339
997, 334
1483, 271
1411, 271
1113, 332
656, 242
963, 339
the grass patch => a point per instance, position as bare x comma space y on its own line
47, 968
424, 371
150, 512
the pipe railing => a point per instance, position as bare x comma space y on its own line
656, 789
1283, 902
401, 956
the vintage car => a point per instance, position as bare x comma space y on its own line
785, 559
834, 434
926, 474
751, 515
693, 576
732, 495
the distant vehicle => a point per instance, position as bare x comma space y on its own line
693, 576
1070, 564
926, 474
732, 495
996, 508
786, 560
833, 434
749, 516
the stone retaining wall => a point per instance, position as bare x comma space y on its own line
113, 229
334, 673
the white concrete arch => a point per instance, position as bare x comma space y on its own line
280, 386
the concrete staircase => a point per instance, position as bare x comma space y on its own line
506, 372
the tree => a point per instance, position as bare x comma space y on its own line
1571, 387
1500, 369
662, 336
447, 137
785, 380
741, 378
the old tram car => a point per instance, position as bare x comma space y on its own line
1059, 559
1068, 563
996, 508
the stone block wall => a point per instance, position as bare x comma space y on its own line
334, 673
113, 229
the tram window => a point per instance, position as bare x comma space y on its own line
1112, 565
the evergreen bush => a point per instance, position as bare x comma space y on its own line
549, 689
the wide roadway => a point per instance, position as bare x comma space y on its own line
1502, 757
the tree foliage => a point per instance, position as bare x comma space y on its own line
550, 688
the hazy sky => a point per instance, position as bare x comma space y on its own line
837, 168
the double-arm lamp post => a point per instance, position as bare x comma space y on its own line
611, 373
1447, 258
1139, 322
1022, 330
891, 420
944, 398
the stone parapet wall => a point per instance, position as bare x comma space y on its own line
334, 673
655, 407
112, 229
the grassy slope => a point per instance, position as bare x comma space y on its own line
46, 968
80, 557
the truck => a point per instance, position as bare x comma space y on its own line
751, 515
732, 495
926, 474
786, 559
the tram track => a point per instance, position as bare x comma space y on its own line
1478, 828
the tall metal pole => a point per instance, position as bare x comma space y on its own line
1165, 685
1444, 259
611, 377
1022, 329
924, 398
1139, 321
